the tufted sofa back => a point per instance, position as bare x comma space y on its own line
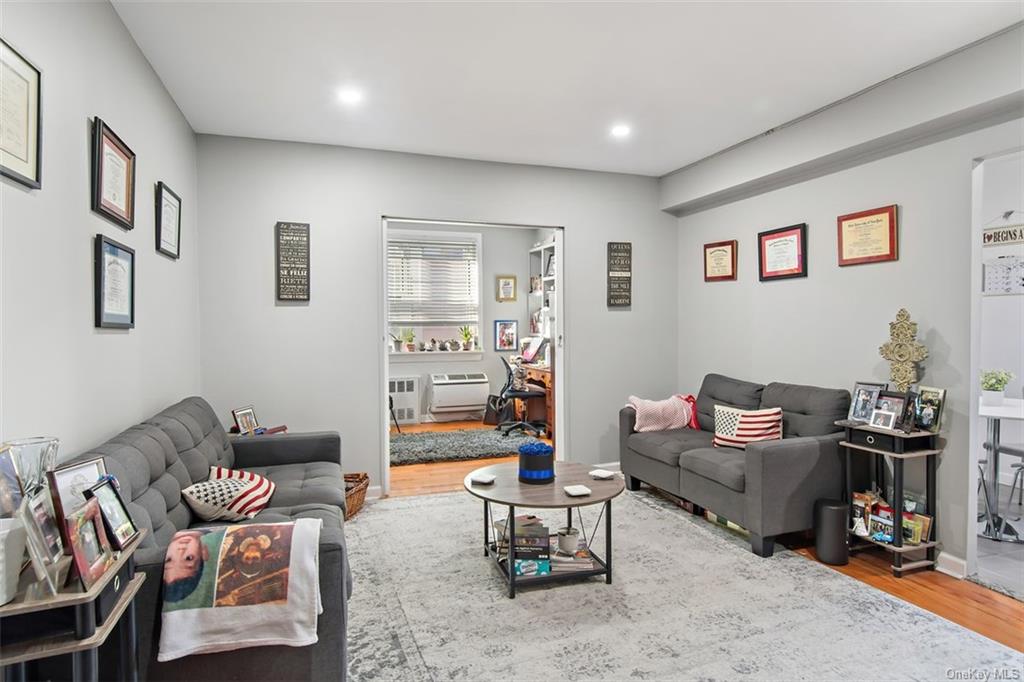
153, 461
807, 410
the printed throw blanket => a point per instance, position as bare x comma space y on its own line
241, 586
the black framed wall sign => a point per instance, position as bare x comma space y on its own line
21, 122
292, 247
168, 221
620, 274
113, 176
114, 282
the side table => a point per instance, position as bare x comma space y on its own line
82, 645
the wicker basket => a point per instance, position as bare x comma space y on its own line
355, 493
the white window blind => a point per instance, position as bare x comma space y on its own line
433, 281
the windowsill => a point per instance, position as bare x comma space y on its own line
437, 356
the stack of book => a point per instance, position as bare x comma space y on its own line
533, 556
580, 560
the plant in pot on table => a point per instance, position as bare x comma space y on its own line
993, 386
410, 339
467, 337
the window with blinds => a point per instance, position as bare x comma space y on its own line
433, 281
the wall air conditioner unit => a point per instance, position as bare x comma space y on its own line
449, 394
405, 392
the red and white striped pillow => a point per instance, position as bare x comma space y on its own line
677, 412
229, 494
734, 428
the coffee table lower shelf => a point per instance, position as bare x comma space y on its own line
500, 561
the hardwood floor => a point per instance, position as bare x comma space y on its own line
976, 608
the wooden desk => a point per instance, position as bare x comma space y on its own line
542, 376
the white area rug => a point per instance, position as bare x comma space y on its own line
689, 601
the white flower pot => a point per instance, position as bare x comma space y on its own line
12, 551
992, 398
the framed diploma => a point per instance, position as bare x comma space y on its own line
868, 236
114, 280
782, 253
21, 123
168, 221
720, 261
113, 176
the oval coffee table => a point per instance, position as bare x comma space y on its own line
508, 491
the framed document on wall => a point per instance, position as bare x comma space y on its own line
113, 176
114, 280
782, 253
21, 123
168, 221
292, 261
720, 261
868, 236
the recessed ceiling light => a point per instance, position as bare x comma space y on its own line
350, 96
621, 130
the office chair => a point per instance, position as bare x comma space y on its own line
508, 393
391, 406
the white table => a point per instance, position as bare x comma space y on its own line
995, 527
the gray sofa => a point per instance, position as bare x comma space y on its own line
153, 461
770, 487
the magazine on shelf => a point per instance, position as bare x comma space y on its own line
580, 560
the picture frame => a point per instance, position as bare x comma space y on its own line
291, 258
21, 126
12, 490
870, 236
929, 408
114, 284
720, 261
882, 419
168, 221
506, 335
117, 520
43, 535
89, 544
782, 253
245, 419
113, 176
863, 400
891, 401
68, 485
906, 421
505, 288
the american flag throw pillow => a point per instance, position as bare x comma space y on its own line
734, 428
229, 495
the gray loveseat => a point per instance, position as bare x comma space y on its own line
153, 461
770, 487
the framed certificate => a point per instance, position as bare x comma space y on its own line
114, 265
21, 124
113, 176
868, 236
782, 253
168, 221
720, 261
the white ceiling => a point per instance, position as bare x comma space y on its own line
537, 83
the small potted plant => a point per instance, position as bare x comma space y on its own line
454, 345
433, 345
993, 386
410, 340
467, 337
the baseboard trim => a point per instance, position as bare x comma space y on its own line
951, 565
611, 466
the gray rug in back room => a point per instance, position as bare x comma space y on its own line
689, 601
444, 446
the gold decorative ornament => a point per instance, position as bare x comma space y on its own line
903, 351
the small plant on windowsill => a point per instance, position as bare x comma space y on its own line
993, 386
467, 337
410, 339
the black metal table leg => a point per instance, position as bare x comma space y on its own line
487, 527
15, 673
608, 541
511, 552
897, 515
85, 665
929, 508
568, 517
129, 645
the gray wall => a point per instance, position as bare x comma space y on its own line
826, 329
318, 365
61, 376
505, 251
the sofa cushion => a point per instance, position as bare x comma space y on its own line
307, 483
807, 410
722, 390
198, 436
722, 465
666, 446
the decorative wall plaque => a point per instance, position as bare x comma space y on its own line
292, 261
620, 274
903, 351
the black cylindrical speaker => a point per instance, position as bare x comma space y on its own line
830, 531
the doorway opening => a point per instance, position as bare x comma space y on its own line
473, 364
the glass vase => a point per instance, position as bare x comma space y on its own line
34, 457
